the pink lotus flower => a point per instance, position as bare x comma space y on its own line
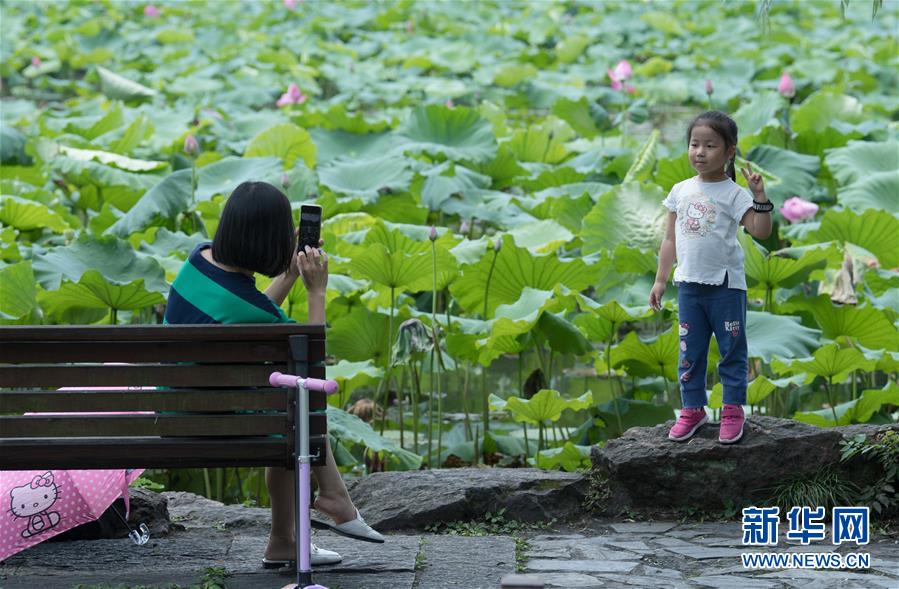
786, 87
620, 74
151, 11
795, 209
191, 146
36, 61
293, 96
290, 4
450, 103
709, 89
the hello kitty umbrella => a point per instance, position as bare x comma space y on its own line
39, 504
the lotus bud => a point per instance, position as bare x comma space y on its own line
410, 26
36, 61
786, 87
450, 103
432, 234
290, 4
285, 181
797, 209
709, 89
151, 11
191, 147
497, 244
465, 227
623, 70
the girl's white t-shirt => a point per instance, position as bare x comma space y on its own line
708, 218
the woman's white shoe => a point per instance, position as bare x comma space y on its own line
356, 529
318, 557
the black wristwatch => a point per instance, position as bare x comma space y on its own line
762, 207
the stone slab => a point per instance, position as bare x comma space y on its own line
705, 552
580, 566
466, 561
572, 580
733, 582
643, 527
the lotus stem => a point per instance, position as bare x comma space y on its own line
465, 384
416, 399
833, 409
400, 395
386, 381
485, 406
611, 388
436, 350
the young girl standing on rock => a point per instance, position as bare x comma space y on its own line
705, 213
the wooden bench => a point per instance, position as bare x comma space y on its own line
213, 408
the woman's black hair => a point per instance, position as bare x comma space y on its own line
256, 231
725, 127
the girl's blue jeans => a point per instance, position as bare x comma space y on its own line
704, 309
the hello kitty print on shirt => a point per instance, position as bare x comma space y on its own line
33, 501
699, 216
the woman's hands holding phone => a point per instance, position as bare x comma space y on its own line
312, 266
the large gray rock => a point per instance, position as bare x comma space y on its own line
195, 511
646, 470
146, 507
413, 500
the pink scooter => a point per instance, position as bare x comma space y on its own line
303, 520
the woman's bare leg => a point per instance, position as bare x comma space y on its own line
333, 500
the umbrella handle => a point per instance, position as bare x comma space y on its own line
140, 538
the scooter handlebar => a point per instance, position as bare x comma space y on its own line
312, 384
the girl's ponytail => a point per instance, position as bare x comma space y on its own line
731, 168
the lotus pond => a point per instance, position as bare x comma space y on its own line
538, 139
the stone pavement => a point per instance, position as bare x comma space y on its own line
600, 554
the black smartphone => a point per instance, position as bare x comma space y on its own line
310, 227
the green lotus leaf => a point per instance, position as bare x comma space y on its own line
653, 357
670, 171
868, 325
109, 258
578, 115
628, 213
831, 362
112, 159
503, 167
512, 74
594, 327
346, 427
338, 117
562, 336
359, 336
139, 130
117, 87
862, 159
772, 271
113, 119
664, 22
641, 168
541, 236
877, 191
458, 133
448, 179
366, 178
515, 269
795, 173
872, 229
165, 243
856, 411
352, 375
757, 391
9, 250
764, 333
223, 176
822, 108
546, 405
12, 147
754, 116
569, 458
94, 291
335, 143
18, 293
164, 201
24, 214
538, 143
286, 141
391, 269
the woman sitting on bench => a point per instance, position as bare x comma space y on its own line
216, 285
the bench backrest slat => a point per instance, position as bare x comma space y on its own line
171, 375
128, 426
133, 400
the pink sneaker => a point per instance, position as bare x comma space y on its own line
732, 421
689, 421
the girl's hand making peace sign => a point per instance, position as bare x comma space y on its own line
754, 180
